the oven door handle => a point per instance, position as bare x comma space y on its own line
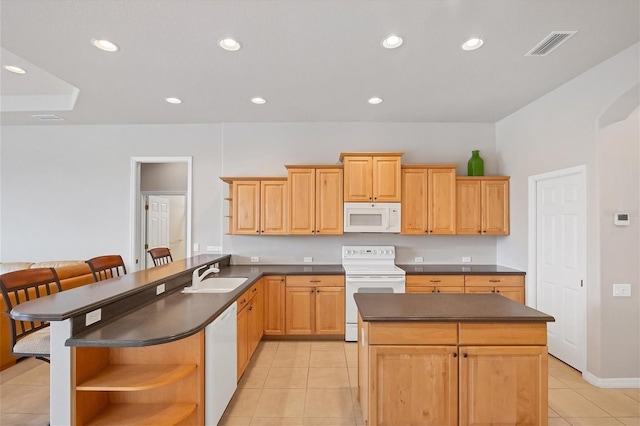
376, 279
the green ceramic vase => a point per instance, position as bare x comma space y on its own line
475, 166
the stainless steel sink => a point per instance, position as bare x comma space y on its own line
216, 285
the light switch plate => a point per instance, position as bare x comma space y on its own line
160, 289
418, 259
308, 259
214, 249
196, 247
622, 290
466, 259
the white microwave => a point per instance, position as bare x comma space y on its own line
372, 217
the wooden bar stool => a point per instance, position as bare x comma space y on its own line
29, 338
160, 256
105, 267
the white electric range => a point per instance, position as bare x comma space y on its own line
368, 269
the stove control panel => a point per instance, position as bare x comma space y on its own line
368, 252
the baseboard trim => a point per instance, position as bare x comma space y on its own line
621, 382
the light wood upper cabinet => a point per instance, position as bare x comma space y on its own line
315, 200
428, 199
372, 177
246, 207
483, 205
258, 206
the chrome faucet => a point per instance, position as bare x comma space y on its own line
197, 278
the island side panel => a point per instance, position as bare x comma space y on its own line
60, 412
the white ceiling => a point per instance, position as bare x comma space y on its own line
313, 60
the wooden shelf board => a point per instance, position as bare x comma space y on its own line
135, 377
143, 414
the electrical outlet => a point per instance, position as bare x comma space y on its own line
160, 289
466, 259
308, 259
93, 317
418, 259
214, 249
255, 259
622, 290
196, 247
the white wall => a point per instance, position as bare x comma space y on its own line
618, 165
66, 190
558, 131
59, 182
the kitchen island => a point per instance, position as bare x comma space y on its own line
451, 359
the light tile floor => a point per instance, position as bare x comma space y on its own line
315, 383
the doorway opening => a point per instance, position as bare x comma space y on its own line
163, 184
557, 260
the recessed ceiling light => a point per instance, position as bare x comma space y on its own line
375, 100
173, 100
229, 44
14, 69
105, 45
259, 101
392, 42
472, 44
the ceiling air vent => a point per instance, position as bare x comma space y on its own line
48, 117
550, 42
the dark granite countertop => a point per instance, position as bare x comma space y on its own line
132, 314
465, 269
444, 308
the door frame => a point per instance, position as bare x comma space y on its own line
532, 288
136, 213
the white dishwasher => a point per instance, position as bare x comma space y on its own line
221, 360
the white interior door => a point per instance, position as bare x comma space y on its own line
158, 221
560, 269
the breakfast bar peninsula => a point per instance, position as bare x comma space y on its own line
451, 359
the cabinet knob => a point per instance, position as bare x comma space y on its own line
257, 232
251, 308
317, 291
483, 231
455, 355
465, 355
479, 232
497, 291
318, 231
437, 291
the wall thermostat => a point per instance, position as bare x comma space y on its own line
621, 218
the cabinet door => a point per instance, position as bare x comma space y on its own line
329, 310
441, 196
243, 341
273, 207
469, 213
513, 293
386, 179
358, 174
274, 305
516, 376
495, 207
299, 310
246, 207
403, 399
255, 322
302, 201
329, 202
414, 201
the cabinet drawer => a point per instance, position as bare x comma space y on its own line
483, 334
406, 333
435, 280
247, 296
494, 280
315, 281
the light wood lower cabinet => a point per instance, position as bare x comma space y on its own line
509, 286
274, 299
314, 305
250, 324
159, 385
452, 373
